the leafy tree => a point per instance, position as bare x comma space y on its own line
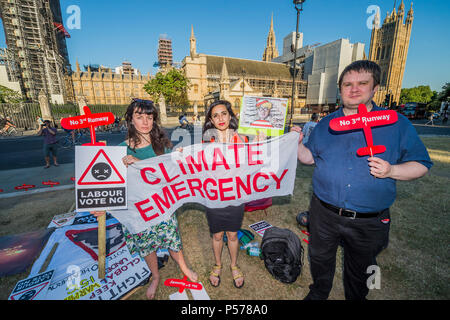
9, 96
172, 85
437, 98
422, 94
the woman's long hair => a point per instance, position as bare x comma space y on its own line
158, 137
209, 128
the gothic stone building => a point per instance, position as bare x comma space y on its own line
214, 77
389, 48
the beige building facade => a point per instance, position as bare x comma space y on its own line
213, 77
107, 87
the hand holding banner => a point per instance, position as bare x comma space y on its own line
215, 175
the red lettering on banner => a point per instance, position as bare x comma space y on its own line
255, 186
239, 183
235, 147
198, 187
177, 191
251, 153
278, 181
166, 176
222, 190
218, 154
144, 177
145, 210
167, 196
180, 164
213, 182
198, 165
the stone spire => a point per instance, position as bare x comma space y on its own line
410, 16
224, 84
193, 44
270, 51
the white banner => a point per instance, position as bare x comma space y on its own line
215, 175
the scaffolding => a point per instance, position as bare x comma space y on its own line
165, 51
36, 39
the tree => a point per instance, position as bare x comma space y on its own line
9, 96
437, 98
422, 94
172, 85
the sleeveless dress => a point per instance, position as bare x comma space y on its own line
164, 235
228, 218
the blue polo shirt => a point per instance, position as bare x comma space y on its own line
343, 179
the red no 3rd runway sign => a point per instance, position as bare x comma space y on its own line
365, 120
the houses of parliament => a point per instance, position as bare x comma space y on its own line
217, 77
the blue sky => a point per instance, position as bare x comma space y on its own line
116, 30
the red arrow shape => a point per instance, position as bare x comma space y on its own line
365, 120
183, 284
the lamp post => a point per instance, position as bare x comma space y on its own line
299, 7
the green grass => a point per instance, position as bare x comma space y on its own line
414, 266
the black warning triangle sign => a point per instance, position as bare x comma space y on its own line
30, 293
102, 172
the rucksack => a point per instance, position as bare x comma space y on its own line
282, 253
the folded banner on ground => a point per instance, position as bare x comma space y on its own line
215, 175
74, 264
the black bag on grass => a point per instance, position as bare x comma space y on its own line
282, 253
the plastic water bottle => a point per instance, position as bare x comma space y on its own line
254, 251
254, 244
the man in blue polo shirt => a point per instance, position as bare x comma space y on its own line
352, 194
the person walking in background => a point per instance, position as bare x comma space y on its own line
50, 143
309, 126
445, 115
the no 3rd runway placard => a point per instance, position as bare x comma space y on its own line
100, 178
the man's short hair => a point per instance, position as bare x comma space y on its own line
363, 65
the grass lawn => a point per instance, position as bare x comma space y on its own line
414, 266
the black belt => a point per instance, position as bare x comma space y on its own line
350, 213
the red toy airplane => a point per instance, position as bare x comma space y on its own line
183, 284
365, 120
88, 120
25, 187
50, 183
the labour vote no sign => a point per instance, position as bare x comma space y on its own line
100, 178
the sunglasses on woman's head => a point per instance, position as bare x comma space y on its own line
142, 101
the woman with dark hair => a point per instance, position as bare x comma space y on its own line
145, 139
221, 125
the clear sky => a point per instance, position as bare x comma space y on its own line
112, 31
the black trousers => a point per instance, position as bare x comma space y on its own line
362, 240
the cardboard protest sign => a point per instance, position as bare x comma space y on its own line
78, 245
264, 114
213, 174
365, 120
33, 288
61, 220
260, 227
100, 178
123, 273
